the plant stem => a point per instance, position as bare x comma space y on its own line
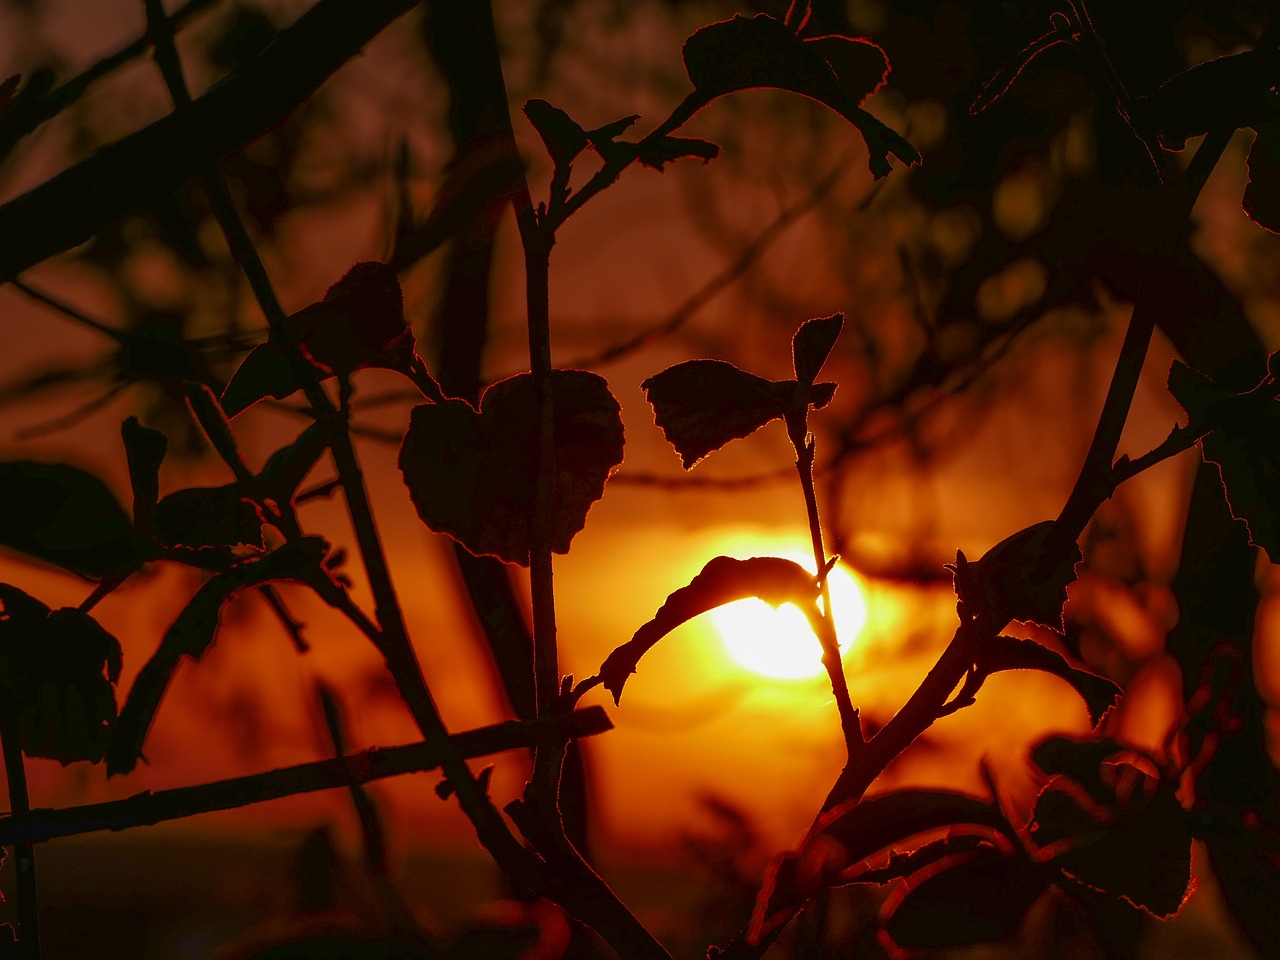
24, 853
143, 809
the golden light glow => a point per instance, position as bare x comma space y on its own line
778, 642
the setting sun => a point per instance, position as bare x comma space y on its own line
778, 642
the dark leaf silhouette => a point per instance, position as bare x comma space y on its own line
1262, 194
701, 405
201, 517
1079, 758
968, 898
1008, 581
560, 133
664, 150
741, 54
1233, 90
1245, 447
145, 449
285, 469
1010, 653
1063, 31
812, 344
474, 475
851, 832
359, 323
58, 668
66, 516
192, 633
902, 864
1135, 846
723, 580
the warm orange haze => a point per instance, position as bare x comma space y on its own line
931, 266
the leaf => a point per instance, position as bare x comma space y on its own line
1137, 847
812, 344
473, 475
1079, 758
145, 449
723, 580
1245, 447
67, 516
1009, 584
860, 64
58, 669
854, 831
359, 323
741, 54
969, 898
562, 136
1228, 91
995, 88
701, 405
657, 153
1262, 193
266, 371
285, 469
1010, 653
902, 864
201, 517
192, 633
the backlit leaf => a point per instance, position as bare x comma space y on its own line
285, 469
145, 449
58, 668
192, 633
723, 580
812, 344
971, 897
1010, 653
562, 136
664, 150
266, 371
1013, 589
67, 516
474, 475
1233, 90
701, 405
741, 54
1245, 446
200, 517
1262, 194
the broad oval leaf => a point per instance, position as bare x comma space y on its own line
1245, 447
58, 668
723, 580
202, 517
742, 53
971, 897
67, 516
1011, 653
191, 634
1011, 585
473, 475
701, 405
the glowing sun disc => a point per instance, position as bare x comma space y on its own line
778, 642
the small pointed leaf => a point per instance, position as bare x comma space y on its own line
145, 449
812, 344
701, 405
562, 136
266, 371
473, 475
723, 580
668, 149
191, 634
285, 469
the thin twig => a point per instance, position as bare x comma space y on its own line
148, 808
20, 805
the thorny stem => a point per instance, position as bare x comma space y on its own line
24, 852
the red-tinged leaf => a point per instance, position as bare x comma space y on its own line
192, 633
812, 344
701, 405
658, 153
144, 450
1245, 447
201, 517
723, 580
854, 831
1011, 588
859, 64
742, 54
1262, 194
902, 863
995, 88
1079, 758
359, 323
1137, 846
473, 475
970, 898
66, 516
1010, 653
561, 135
58, 669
